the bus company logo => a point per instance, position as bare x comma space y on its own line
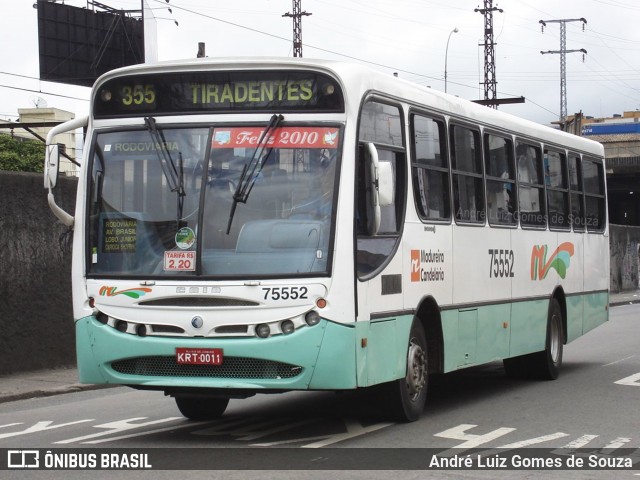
425, 266
560, 260
130, 292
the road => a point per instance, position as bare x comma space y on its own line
592, 406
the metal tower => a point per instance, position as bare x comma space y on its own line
563, 58
297, 27
489, 54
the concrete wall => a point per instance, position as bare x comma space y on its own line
36, 318
624, 242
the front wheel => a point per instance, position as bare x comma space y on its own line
201, 408
404, 399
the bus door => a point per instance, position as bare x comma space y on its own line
379, 216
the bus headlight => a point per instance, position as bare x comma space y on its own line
312, 318
263, 330
287, 327
121, 326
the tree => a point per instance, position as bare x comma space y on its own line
21, 155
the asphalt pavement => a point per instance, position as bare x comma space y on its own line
57, 381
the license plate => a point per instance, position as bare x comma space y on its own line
199, 356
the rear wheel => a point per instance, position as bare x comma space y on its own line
404, 399
546, 364
201, 408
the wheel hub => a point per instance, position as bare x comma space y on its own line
416, 369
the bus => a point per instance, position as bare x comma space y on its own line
264, 225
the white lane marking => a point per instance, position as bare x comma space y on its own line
618, 361
117, 427
630, 380
472, 440
580, 442
40, 427
534, 441
142, 434
278, 429
617, 443
354, 429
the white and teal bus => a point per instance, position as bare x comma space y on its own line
249, 226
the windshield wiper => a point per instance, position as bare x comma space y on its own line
175, 177
253, 167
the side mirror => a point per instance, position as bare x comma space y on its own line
385, 184
374, 216
51, 166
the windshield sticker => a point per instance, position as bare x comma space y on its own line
177, 261
119, 235
185, 238
282, 137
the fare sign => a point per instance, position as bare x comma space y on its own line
199, 356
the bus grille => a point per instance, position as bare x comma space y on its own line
233, 367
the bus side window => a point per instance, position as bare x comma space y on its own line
430, 168
381, 125
577, 194
593, 174
501, 180
530, 187
555, 172
466, 162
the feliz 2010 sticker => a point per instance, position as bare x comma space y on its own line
185, 238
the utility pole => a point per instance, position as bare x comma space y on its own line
297, 27
490, 82
563, 58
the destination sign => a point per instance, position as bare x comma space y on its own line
204, 92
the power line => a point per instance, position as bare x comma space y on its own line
45, 93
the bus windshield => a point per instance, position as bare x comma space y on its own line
251, 201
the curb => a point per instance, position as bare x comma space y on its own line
49, 392
623, 302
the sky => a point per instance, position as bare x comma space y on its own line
407, 37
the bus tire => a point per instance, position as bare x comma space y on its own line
403, 400
201, 408
544, 365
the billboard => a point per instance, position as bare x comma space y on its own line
610, 128
77, 45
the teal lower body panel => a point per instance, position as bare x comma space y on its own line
318, 357
382, 349
484, 333
528, 327
596, 310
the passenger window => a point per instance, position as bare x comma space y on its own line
555, 174
530, 187
501, 180
381, 125
594, 189
430, 168
466, 162
577, 195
